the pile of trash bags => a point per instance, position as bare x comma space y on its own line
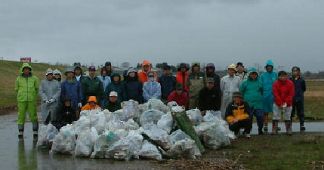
147, 131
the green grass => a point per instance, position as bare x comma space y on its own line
276, 152
9, 71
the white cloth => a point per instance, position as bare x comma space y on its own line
228, 86
278, 110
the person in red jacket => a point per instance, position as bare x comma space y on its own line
179, 96
182, 76
283, 91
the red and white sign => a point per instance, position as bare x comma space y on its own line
25, 59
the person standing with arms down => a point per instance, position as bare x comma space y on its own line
182, 76
196, 83
92, 86
168, 82
229, 84
105, 80
26, 88
50, 91
268, 78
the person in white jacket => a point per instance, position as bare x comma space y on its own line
151, 88
50, 91
229, 84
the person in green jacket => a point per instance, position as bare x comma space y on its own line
27, 89
92, 86
251, 90
196, 83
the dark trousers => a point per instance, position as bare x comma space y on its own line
258, 113
245, 124
298, 106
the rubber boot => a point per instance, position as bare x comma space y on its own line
302, 128
265, 124
35, 130
20, 131
275, 127
288, 127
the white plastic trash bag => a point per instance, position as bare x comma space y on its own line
159, 136
64, 141
150, 151
130, 109
195, 116
150, 116
46, 134
166, 122
102, 144
85, 142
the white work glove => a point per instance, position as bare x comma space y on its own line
51, 100
46, 101
79, 105
284, 105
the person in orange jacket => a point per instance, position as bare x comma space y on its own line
237, 115
92, 104
182, 76
142, 74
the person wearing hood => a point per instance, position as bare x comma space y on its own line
57, 75
78, 72
105, 80
283, 91
92, 86
151, 88
298, 103
240, 71
210, 72
252, 89
108, 68
117, 86
209, 97
229, 84
26, 87
113, 104
179, 96
50, 91
71, 88
66, 114
196, 83
182, 76
167, 81
92, 104
268, 78
143, 74
133, 88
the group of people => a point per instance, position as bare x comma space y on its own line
238, 96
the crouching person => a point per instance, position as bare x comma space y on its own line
113, 103
237, 115
283, 91
66, 114
92, 104
179, 96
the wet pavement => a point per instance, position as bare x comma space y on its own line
23, 154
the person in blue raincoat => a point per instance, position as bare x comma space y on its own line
268, 78
151, 88
105, 80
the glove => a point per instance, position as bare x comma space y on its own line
51, 100
79, 105
46, 101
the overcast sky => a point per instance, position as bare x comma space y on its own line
291, 32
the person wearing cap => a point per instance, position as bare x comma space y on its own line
92, 104
142, 74
229, 84
252, 89
133, 88
167, 81
268, 78
113, 104
283, 91
196, 83
71, 88
179, 96
50, 91
182, 76
26, 87
151, 88
298, 102
210, 72
108, 68
240, 71
78, 72
116, 85
66, 114
209, 97
238, 115
105, 80
92, 86
57, 75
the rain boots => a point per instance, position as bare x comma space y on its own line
35, 130
288, 127
302, 127
265, 124
20, 131
275, 127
